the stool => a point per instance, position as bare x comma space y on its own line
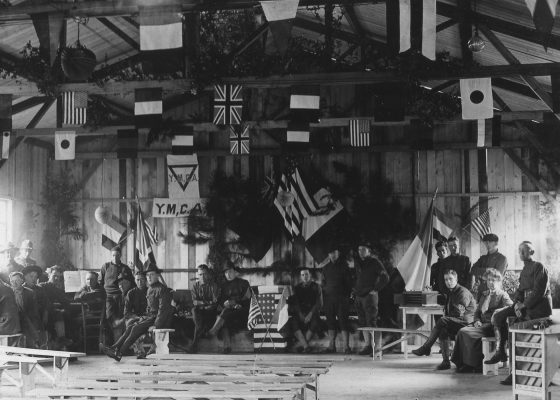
161, 340
488, 350
16, 339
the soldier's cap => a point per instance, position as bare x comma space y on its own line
10, 246
365, 243
490, 237
26, 244
32, 268
139, 273
123, 277
150, 267
16, 273
116, 248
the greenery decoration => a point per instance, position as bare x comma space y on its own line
61, 221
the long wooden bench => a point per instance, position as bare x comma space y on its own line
26, 366
377, 338
60, 361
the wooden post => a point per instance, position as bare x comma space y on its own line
27, 377
60, 371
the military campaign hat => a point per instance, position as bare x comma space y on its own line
32, 268
150, 267
27, 244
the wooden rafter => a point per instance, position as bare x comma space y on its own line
249, 41
514, 87
13, 146
27, 104
465, 31
120, 33
528, 173
447, 24
41, 113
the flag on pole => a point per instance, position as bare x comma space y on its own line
481, 224
145, 238
305, 104
441, 229
414, 266
6, 123
280, 15
255, 313
281, 315
359, 132
228, 104
265, 334
113, 233
65, 145
417, 26
74, 108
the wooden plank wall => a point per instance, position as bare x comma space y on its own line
414, 174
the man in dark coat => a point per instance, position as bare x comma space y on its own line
337, 287
305, 307
159, 313
436, 272
108, 279
54, 292
233, 305
532, 300
493, 259
30, 321
92, 290
135, 300
24, 257
9, 265
205, 297
460, 263
459, 312
9, 314
31, 275
371, 277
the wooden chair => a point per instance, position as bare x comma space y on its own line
92, 325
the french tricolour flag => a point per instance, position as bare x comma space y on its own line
148, 107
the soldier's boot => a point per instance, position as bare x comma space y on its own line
500, 354
445, 364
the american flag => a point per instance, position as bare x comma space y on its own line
265, 334
145, 238
255, 313
359, 132
228, 104
302, 206
113, 233
239, 139
74, 108
481, 224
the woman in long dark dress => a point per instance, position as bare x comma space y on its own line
467, 354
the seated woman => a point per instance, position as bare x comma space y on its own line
233, 305
467, 354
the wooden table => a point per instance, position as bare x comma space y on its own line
429, 310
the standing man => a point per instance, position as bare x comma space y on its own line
531, 300
305, 314
159, 313
135, 300
205, 295
460, 263
110, 271
30, 321
24, 258
9, 264
337, 286
493, 259
459, 312
371, 277
436, 273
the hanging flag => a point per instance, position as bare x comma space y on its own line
476, 98
281, 315
145, 239
113, 233
489, 132
183, 141
161, 38
182, 176
543, 13
127, 143
359, 132
266, 336
148, 107
441, 229
481, 224
414, 266
305, 104
228, 104
6, 123
417, 26
74, 108
481, 134
255, 313
297, 134
64, 145
239, 139
280, 15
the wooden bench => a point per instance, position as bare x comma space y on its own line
59, 375
5, 339
376, 335
161, 340
26, 366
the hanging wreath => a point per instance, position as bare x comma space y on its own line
78, 62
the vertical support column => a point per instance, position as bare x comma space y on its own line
27, 377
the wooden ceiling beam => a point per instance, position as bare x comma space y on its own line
352, 18
514, 87
249, 41
447, 24
465, 32
120, 33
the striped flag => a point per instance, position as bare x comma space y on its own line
280, 15
113, 233
145, 238
302, 206
414, 266
74, 108
183, 141
266, 335
305, 104
239, 139
6, 123
297, 134
65, 145
281, 315
228, 104
161, 39
441, 229
481, 224
148, 107
543, 13
255, 313
359, 132
417, 25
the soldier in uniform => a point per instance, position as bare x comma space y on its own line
159, 313
30, 321
459, 312
233, 305
9, 314
436, 272
205, 295
135, 301
493, 259
58, 305
460, 263
306, 303
531, 300
24, 257
9, 265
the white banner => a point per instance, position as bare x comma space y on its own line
175, 208
182, 176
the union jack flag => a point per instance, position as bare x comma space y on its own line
228, 104
239, 140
